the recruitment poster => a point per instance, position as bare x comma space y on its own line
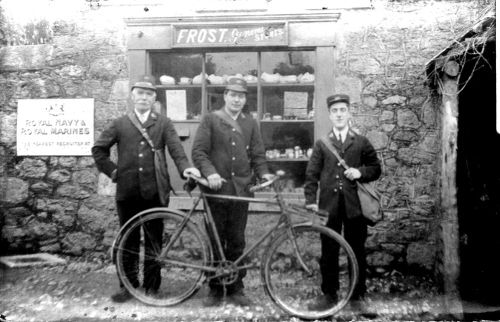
55, 127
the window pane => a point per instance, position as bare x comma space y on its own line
288, 85
220, 67
178, 66
174, 73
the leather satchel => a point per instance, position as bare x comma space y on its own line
161, 174
369, 198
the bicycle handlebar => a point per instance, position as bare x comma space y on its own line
279, 174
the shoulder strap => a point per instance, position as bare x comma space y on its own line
225, 117
332, 149
135, 121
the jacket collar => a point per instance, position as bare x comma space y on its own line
153, 117
347, 142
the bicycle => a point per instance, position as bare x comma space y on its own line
289, 268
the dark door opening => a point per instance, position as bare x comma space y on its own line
478, 180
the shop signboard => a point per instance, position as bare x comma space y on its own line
55, 127
227, 35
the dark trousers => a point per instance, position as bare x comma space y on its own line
152, 231
230, 220
355, 233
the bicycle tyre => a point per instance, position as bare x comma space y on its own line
290, 286
177, 282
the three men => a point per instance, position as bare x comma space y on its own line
338, 194
138, 186
228, 150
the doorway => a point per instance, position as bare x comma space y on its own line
478, 179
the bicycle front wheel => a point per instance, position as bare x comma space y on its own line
293, 271
149, 272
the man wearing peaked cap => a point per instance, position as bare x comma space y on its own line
332, 99
145, 82
338, 195
237, 84
138, 187
229, 152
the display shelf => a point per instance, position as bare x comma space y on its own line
288, 85
224, 85
179, 86
288, 121
287, 159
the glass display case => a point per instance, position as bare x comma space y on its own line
281, 93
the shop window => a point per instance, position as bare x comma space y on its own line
281, 97
179, 90
220, 67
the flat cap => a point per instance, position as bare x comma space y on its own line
332, 99
237, 84
145, 82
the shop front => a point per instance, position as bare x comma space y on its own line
287, 60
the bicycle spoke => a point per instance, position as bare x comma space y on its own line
156, 278
297, 290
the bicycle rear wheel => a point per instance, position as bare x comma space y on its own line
161, 280
294, 289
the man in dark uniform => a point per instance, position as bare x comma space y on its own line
338, 194
135, 174
228, 150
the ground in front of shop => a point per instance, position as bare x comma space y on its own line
80, 291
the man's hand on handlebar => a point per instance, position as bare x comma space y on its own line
313, 207
268, 176
215, 181
189, 172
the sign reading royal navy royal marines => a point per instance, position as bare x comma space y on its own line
268, 34
55, 126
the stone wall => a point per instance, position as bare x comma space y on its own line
381, 62
52, 203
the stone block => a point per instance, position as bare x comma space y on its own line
370, 101
379, 259
72, 191
429, 114
378, 139
15, 192
387, 116
407, 119
396, 99
94, 220
421, 255
85, 177
350, 86
26, 57
60, 176
8, 128
120, 90
412, 156
76, 243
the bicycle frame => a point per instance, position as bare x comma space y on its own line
284, 222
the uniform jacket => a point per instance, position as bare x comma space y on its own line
219, 148
135, 176
325, 171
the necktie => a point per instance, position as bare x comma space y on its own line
340, 138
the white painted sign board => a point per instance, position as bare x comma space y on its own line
55, 127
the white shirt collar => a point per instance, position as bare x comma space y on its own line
343, 132
234, 117
142, 117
